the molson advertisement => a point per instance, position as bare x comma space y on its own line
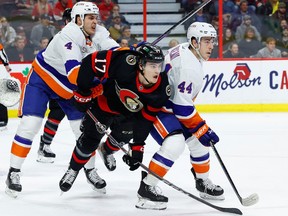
248, 85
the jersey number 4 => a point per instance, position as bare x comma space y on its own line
182, 87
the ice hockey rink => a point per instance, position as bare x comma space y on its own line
253, 146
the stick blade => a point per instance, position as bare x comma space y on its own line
251, 200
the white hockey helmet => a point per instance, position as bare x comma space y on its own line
199, 30
82, 8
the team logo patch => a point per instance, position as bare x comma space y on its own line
168, 90
84, 50
129, 99
131, 59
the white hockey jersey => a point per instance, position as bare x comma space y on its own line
58, 65
186, 80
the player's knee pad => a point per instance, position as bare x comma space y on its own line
172, 147
56, 114
88, 143
122, 133
29, 127
196, 148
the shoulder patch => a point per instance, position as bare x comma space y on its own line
131, 59
168, 90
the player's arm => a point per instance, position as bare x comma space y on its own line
188, 115
4, 58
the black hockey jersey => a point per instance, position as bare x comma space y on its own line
118, 71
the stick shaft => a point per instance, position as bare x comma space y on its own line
116, 143
185, 18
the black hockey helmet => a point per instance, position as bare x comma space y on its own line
150, 53
67, 15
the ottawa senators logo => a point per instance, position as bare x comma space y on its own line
129, 99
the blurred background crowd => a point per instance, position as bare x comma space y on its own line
251, 28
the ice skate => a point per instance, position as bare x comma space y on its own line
3, 126
45, 154
108, 159
98, 184
149, 197
208, 190
68, 179
13, 183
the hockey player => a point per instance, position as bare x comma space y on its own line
56, 114
179, 122
134, 89
53, 76
3, 109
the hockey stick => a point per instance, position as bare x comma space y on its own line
248, 201
102, 129
190, 14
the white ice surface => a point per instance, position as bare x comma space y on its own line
253, 146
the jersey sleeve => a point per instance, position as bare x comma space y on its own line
102, 39
94, 70
182, 102
3, 56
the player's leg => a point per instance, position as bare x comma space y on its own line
122, 131
3, 117
32, 108
85, 147
168, 133
200, 160
55, 116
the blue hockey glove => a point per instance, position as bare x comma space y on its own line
205, 134
134, 47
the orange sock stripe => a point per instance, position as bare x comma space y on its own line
201, 168
161, 171
19, 151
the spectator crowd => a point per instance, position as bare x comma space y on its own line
249, 26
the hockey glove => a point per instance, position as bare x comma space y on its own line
205, 134
82, 100
135, 47
135, 158
97, 90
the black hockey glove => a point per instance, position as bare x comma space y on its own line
82, 100
135, 158
205, 134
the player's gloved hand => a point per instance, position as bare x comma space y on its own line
13, 84
134, 47
97, 90
205, 134
82, 100
135, 158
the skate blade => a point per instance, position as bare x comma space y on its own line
210, 197
11, 193
42, 159
99, 190
147, 204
